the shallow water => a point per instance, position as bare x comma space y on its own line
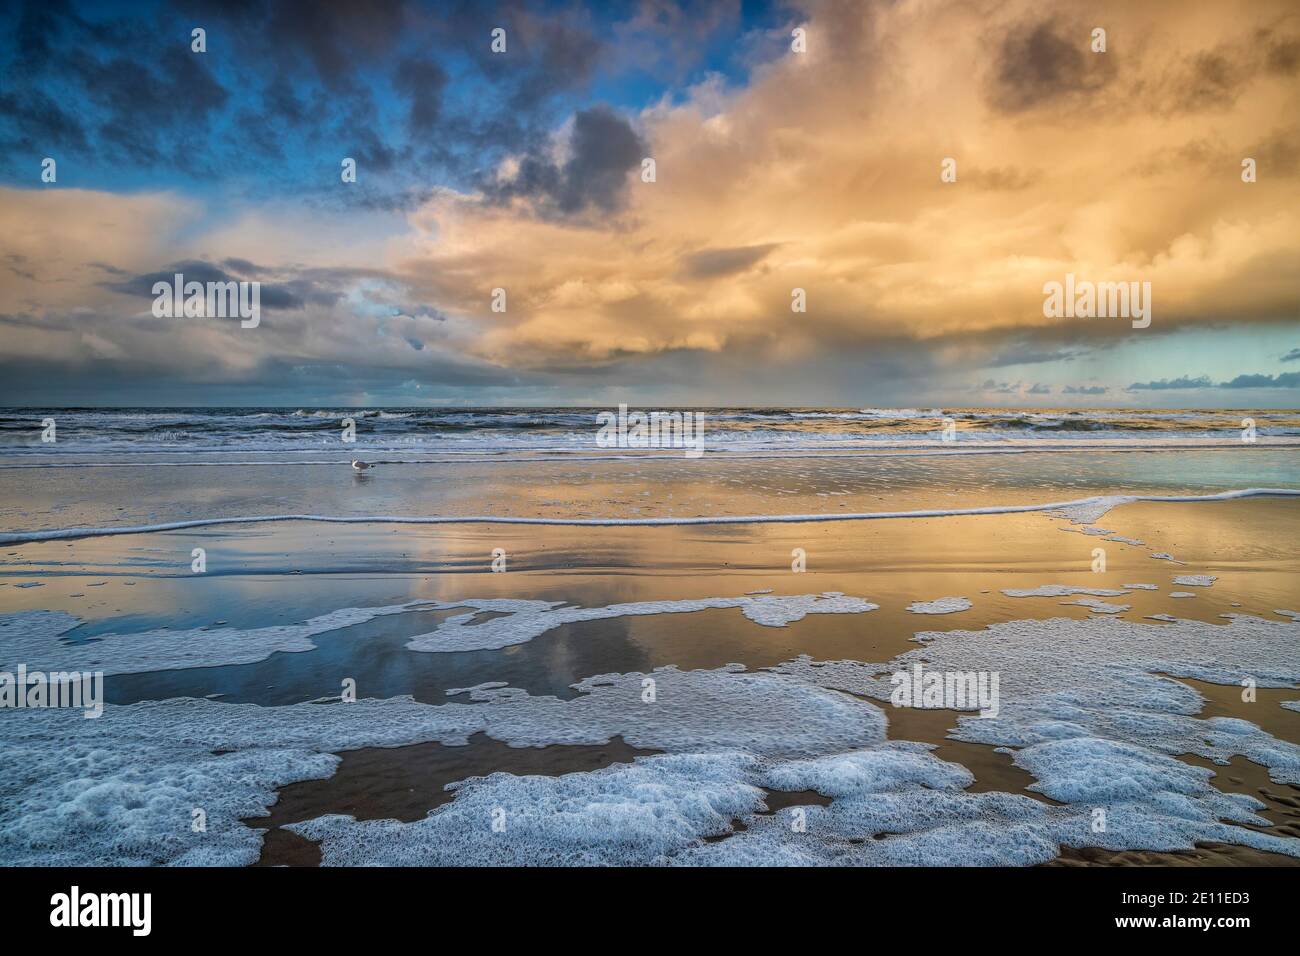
282, 573
61, 497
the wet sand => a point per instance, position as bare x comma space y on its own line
283, 573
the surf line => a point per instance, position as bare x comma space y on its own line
1106, 502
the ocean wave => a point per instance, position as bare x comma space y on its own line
94, 431
903, 413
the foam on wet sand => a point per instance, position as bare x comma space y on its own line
943, 605
1090, 736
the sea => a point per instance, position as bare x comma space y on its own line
415, 431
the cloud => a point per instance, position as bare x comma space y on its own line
837, 192
1281, 380
300, 82
1026, 353
1184, 382
1040, 63
423, 82
602, 149
709, 263
817, 171
291, 293
1084, 390
1292, 356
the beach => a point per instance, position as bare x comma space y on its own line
541, 652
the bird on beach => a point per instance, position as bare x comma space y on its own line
359, 466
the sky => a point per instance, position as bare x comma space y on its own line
795, 146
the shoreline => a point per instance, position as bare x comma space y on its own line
1096, 507
553, 653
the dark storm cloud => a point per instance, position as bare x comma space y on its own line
1214, 79
336, 35
1276, 152
1050, 63
193, 271
1279, 153
303, 83
48, 381
1283, 56
1043, 63
604, 148
422, 81
369, 149
709, 263
148, 88
1211, 80
243, 267
332, 37
36, 122
105, 86
546, 54
292, 293
1024, 353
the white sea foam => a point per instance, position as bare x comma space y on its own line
1101, 607
894, 804
1196, 580
120, 790
525, 620
1142, 587
476, 688
33, 638
926, 820
1052, 686
642, 813
943, 605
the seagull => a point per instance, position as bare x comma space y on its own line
358, 465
